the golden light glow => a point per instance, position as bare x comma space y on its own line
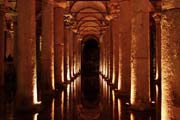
68, 74
35, 95
132, 117
119, 78
62, 105
113, 99
52, 73
113, 76
133, 83
35, 117
157, 72
62, 67
52, 111
119, 109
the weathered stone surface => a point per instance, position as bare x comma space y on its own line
140, 53
26, 55
59, 45
47, 58
170, 64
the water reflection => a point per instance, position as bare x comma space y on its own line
35, 117
64, 107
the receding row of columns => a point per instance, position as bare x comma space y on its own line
131, 56
56, 53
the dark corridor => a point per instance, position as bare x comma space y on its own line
90, 68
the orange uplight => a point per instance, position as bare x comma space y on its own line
35, 95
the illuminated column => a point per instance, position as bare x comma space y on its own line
111, 53
71, 54
59, 44
66, 54
124, 79
26, 94
170, 60
140, 54
47, 53
68, 36
101, 53
116, 39
1, 46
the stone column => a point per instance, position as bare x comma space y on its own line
26, 94
170, 59
140, 55
116, 39
1, 46
71, 54
59, 44
125, 48
67, 50
111, 52
47, 53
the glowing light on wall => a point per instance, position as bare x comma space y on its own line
113, 76
132, 117
52, 111
62, 67
133, 82
113, 100
119, 78
62, 105
119, 109
157, 72
40, 43
52, 73
34, 83
68, 74
35, 117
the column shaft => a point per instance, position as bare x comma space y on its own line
140, 54
125, 48
116, 39
59, 44
47, 54
26, 56
170, 60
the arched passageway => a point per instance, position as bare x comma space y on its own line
90, 71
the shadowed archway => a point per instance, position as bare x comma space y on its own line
90, 71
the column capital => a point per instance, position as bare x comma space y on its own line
157, 17
170, 4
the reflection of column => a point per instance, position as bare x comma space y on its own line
47, 60
170, 59
59, 44
140, 54
26, 56
1, 47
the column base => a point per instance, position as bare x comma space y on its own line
141, 107
34, 108
60, 86
121, 94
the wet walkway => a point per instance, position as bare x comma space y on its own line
67, 105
